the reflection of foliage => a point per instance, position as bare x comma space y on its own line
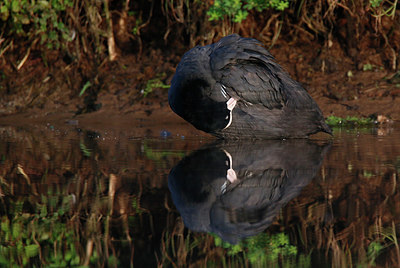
381, 239
397, 164
158, 155
86, 151
374, 249
262, 248
48, 236
29, 236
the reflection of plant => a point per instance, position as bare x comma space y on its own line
262, 248
86, 151
157, 155
373, 251
38, 235
397, 164
46, 234
382, 238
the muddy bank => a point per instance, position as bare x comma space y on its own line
120, 95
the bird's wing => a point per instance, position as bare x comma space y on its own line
248, 71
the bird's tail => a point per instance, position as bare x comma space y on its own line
325, 128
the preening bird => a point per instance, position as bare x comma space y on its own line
235, 89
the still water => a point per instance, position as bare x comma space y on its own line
107, 199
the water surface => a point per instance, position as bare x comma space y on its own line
76, 197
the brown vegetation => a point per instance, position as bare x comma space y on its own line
344, 53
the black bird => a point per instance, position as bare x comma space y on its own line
235, 89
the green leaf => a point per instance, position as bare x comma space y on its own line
240, 16
375, 3
86, 151
15, 7
68, 256
112, 261
75, 260
32, 250
217, 241
44, 4
24, 19
4, 13
3, 260
16, 230
53, 35
86, 86
368, 67
5, 224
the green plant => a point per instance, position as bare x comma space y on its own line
153, 84
237, 10
368, 67
335, 121
136, 28
36, 20
381, 8
85, 86
375, 3
26, 236
262, 248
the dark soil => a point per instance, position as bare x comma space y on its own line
340, 85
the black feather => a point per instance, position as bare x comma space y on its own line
270, 104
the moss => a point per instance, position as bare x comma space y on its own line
335, 121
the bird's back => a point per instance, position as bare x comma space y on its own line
269, 103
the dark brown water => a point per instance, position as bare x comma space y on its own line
74, 197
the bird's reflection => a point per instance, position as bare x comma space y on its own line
235, 189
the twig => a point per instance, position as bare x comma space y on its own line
89, 251
142, 26
22, 172
278, 27
24, 59
6, 48
110, 35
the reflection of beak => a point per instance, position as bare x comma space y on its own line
230, 159
230, 173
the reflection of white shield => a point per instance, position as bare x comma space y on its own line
235, 190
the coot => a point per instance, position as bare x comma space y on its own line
235, 89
